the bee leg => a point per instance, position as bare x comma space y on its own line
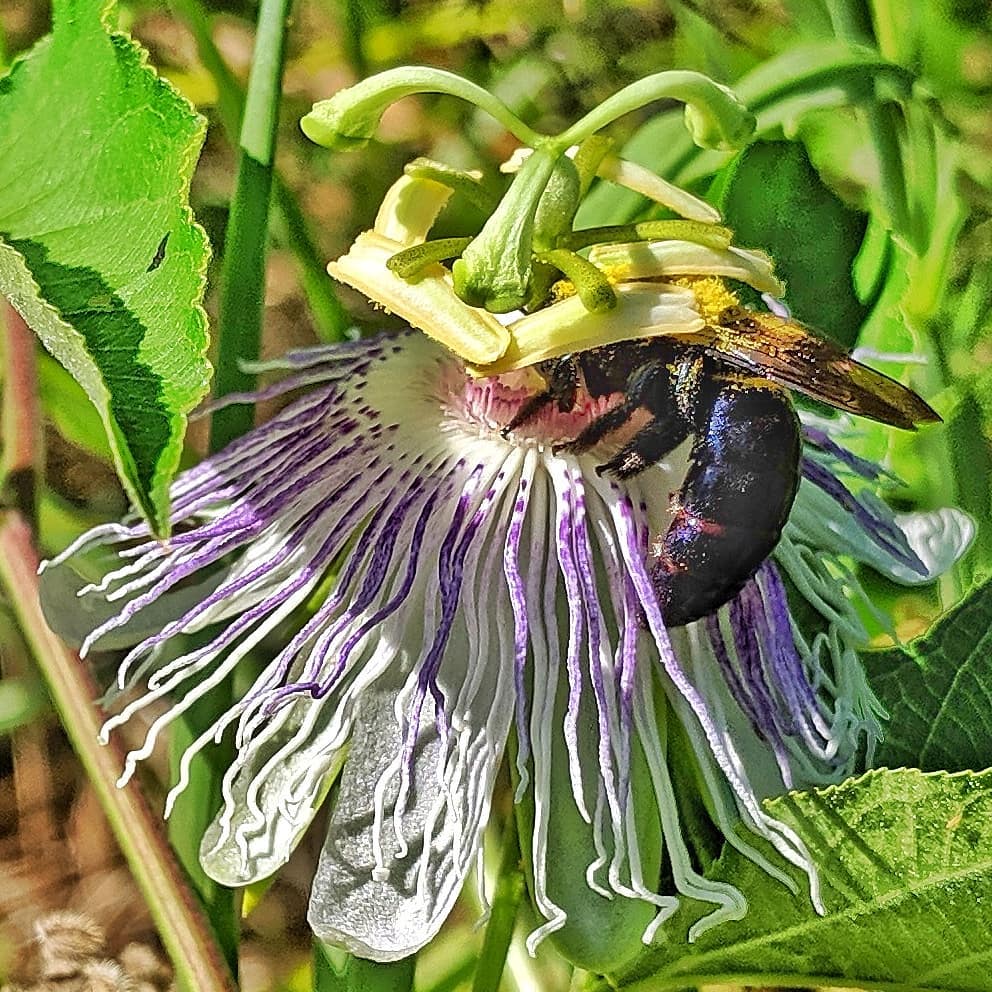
736, 497
562, 378
644, 380
648, 446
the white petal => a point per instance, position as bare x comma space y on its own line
642, 310
272, 798
648, 259
939, 538
649, 184
409, 210
388, 910
428, 303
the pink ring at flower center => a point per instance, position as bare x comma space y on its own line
490, 404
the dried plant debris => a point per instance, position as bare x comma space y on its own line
68, 954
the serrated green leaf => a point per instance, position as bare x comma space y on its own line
773, 198
937, 690
98, 248
905, 861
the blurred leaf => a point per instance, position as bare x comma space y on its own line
773, 199
20, 701
906, 876
937, 690
98, 248
66, 406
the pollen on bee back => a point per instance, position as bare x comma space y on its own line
712, 295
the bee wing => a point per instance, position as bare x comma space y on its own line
787, 353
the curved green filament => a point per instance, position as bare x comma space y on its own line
715, 117
349, 118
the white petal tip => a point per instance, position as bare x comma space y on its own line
938, 538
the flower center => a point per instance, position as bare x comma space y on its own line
488, 405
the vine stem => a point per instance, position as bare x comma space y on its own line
503, 915
243, 274
330, 317
22, 437
180, 922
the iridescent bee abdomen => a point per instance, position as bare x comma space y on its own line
736, 497
743, 472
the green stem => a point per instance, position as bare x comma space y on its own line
715, 116
851, 21
330, 317
503, 915
355, 15
180, 923
243, 275
239, 337
886, 28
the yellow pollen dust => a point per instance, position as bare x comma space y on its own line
712, 295
562, 290
711, 292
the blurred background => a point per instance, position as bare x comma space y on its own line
550, 61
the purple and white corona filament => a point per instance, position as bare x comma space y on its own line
459, 589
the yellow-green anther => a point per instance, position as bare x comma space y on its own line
591, 285
494, 271
411, 262
714, 115
556, 208
710, 235
466, 184
349, 118
588, 158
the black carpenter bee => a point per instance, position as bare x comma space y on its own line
722, 386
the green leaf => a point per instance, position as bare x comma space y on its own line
905, 863
773, 199
937, 691
98, 248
